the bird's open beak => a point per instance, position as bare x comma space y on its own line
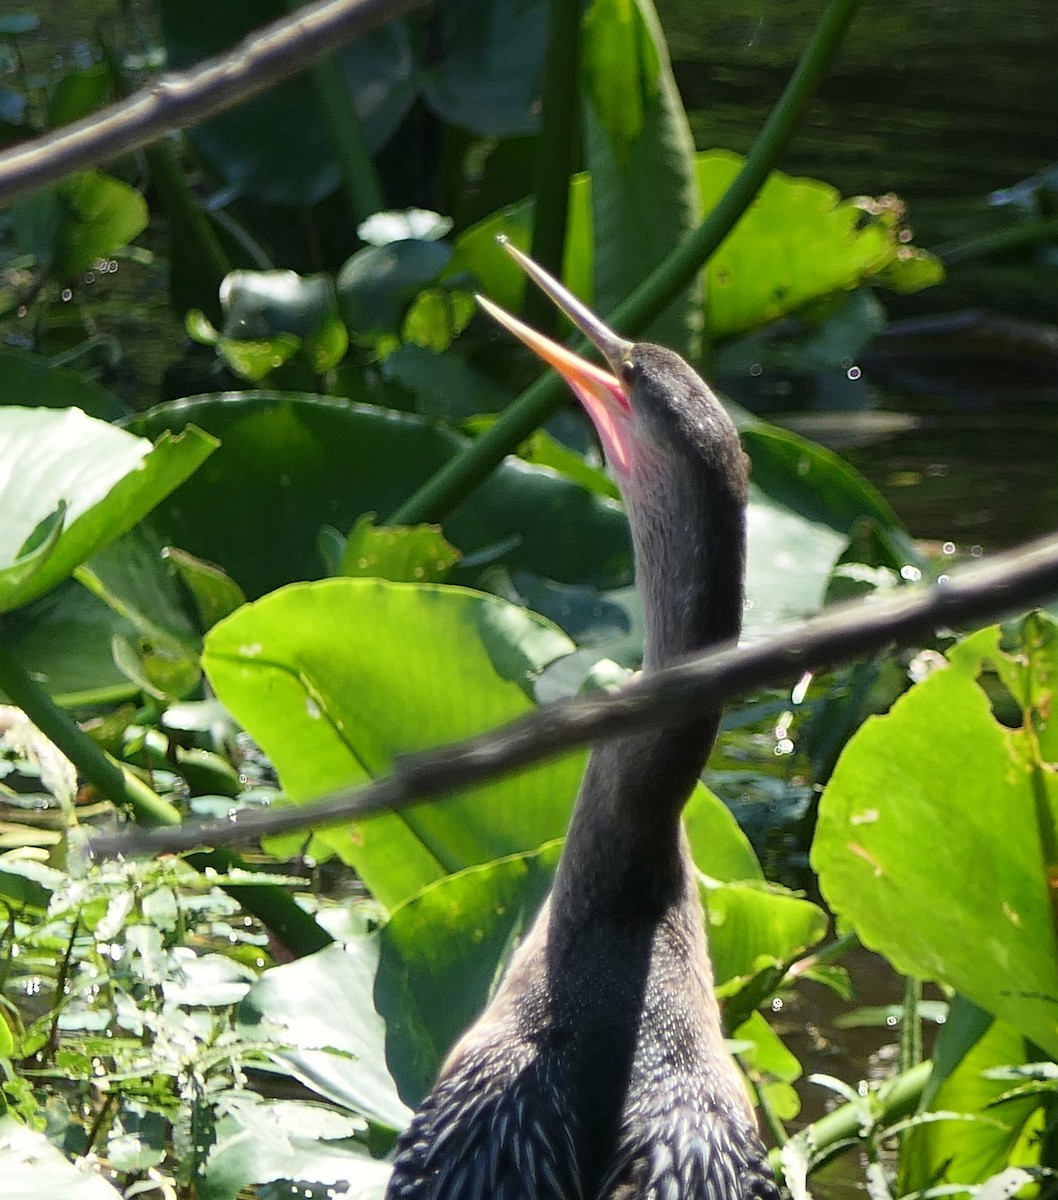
601, 392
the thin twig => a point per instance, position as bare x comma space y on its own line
179, 99
1006, 584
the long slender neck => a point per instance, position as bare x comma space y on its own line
624, 848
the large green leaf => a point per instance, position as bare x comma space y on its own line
752, 926
488, 56
69, 485
968, 1152
641, 159
798, 241
442, 947
936, 834
289, 464
64, 639
337, 678
318, 1014
440, 956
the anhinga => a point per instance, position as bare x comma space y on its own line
599, 1069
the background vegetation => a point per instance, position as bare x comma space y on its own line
354, 526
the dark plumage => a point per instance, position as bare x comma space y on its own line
599, 1069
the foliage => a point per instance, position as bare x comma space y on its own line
211, 585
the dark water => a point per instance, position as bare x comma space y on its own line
942, 103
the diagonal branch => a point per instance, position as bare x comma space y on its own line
179, 99
1005, 585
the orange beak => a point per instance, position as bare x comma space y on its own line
601, 392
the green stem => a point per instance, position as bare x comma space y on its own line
357, 168
556, 153
457, 478
897, 1098
770, 1117
116, 783
911, 1025
278, 911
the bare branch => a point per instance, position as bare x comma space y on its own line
179, 99
1005, 585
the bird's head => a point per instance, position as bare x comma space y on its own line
651, 411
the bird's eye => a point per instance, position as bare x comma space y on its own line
628, 371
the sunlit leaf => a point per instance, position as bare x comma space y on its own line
938, 784
34, 1168
401, 554
640, 155
955, 1151
320, 1004
101, 481
798, 241
335, 679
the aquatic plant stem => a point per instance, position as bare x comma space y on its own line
359, 180
556, 153
443, 491
842, 1128
92, 762
277, 911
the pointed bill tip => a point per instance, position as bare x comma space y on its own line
611, 346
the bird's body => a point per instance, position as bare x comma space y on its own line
599, 1070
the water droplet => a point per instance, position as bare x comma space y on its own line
854, 373
910, 573
948, 548
67, 295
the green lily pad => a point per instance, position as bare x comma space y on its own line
337, 678
936, 834
71, 485
290, 463
798, 241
